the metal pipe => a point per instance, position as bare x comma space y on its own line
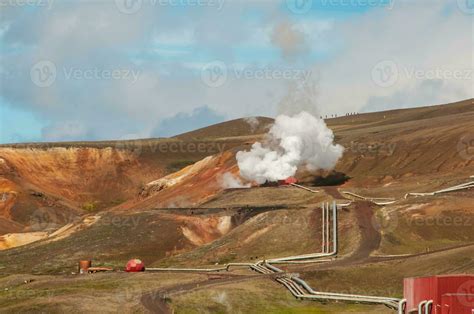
334, 227
428, 306
420, 306
327, 228
401, 306
187, 269
310, 290
225, 267
328, 231
304, 188
304, 262
345, 298
323, 247
325, 239
275, 269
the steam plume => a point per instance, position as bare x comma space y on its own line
228, 181
293, 141
253, 122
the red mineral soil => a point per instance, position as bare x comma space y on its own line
191, 186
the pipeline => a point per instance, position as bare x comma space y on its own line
226, 267
325, 236
421, 305
463, 186
428, 305
381, 201
376, 200
294, 283
392, 303
402, 305
304, 188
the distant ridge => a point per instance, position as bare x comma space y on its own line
232, 128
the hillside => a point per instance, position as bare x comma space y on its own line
171, 206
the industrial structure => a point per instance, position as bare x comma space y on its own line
445, 294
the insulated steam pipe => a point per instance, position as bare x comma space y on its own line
401, 306
334, 227
310, 290
428, 306
323, 219
328, 227
420, 306
325, 237
225, 267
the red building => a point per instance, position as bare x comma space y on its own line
287, 181
450, 294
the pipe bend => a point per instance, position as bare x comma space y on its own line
421, 305
401, 306
428, 306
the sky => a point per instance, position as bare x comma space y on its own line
125, 69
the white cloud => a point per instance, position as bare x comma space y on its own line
413, 35
94, 34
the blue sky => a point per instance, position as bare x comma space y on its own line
97, 70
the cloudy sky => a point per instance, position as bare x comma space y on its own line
117, 69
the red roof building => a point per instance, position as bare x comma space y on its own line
288, 181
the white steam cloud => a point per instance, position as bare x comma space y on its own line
228, 181
253, 122
293, 141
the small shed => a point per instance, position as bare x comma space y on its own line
288, 181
